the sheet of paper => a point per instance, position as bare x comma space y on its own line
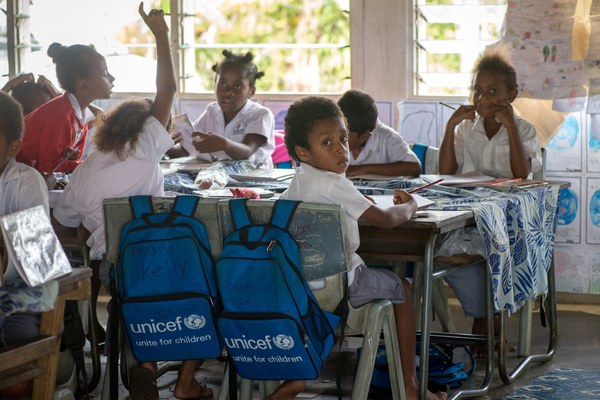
459, 179
387, 200
183, 125
375, 177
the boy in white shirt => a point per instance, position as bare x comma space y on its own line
375, 148
316, 135
21, 187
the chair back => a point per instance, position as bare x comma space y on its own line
428, 156
541, 174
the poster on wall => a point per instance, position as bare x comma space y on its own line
193, 107
593, 211
594, 286
593, 142
417, 122
570, 210
572, 268
279, 109
564, 152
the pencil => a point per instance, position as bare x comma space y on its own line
426, 186
447, 105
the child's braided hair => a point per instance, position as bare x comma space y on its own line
242, 62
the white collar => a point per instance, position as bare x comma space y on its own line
83, 119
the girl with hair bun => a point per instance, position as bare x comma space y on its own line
235, 127
58, 129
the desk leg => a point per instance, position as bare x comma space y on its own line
552, 321
425, 317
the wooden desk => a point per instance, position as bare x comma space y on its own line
44, 349
414, 241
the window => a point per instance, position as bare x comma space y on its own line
449, 35
302, 46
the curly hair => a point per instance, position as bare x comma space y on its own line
122, 127
11, 118
72, 63
301, 118
497, 59
360, 110
241, 62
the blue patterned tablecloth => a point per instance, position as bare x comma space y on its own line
16, 296
518, 227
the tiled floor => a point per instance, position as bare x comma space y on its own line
578, 346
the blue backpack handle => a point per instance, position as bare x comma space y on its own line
141, 205
186, 204
239, 212
283, 212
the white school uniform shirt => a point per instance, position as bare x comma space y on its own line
104, 175
384, 146
252, 118
315, 185
21, 187
475, 152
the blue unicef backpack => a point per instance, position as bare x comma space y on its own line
271, 324
166, 283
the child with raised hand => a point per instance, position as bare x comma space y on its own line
487, 137
375, 148
58, 129
235, 127
316, 135
130, 141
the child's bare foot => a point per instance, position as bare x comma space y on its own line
193, 390
412, 393
288, 390
479, 329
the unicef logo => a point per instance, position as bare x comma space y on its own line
284, 342
194, 321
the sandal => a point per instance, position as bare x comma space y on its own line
207, 394
142, 385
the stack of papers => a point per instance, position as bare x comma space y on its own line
259, 174
470, 179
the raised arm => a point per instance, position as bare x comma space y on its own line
166, 82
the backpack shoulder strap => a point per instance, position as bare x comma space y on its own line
186, 205
141, 205
283, 212
239, 212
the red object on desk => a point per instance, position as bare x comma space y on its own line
426, 186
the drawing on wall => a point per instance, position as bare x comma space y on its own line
594, 96
593, 148
279, 109
593, 212
564, 152
595, 273
525, 50
569, 98
541, 81
568, 229
571, 74
193, 107
385, 112
417, 122
571, 268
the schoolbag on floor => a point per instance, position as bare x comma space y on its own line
166, 283
271, 324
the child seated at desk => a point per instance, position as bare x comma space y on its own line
29, 93
316, 135
130, 142
58, 129
487, 137
375, 148
235, 127
21, 187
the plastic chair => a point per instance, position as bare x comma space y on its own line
327, 257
